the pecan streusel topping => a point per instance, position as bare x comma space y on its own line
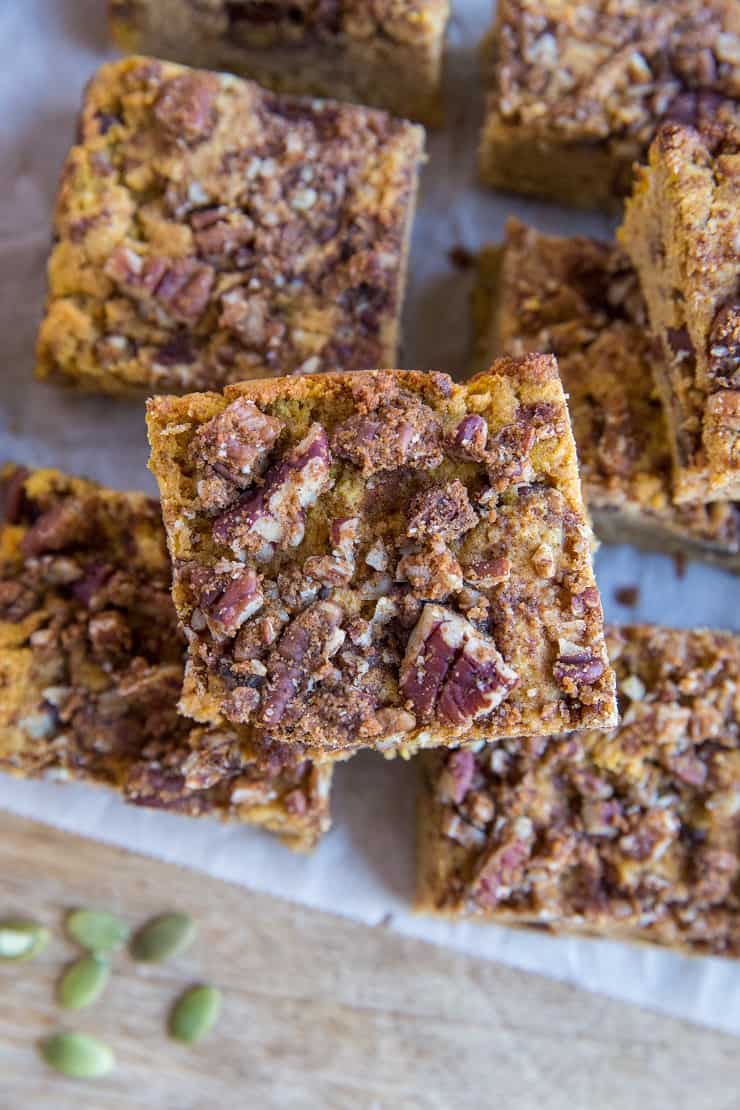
209, 231
91, 662
401, 566
632, 833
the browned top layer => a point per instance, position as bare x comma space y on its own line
579, 299
266, 23
91, 657
209, 231
613, 67
382, 559
634, 831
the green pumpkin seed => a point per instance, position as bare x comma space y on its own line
195, 1013
83, 982
97, 930
22, 940
163, 937
78, 1055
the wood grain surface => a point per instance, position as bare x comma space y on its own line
320, 1012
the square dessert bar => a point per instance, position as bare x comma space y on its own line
682, 232
387, 54
208, 231
382, 559
629, 834
577, 90
579, 299
91, 665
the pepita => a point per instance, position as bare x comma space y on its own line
78, 1055
83, 982
195, 1013
163, 937
22, 940
97, 930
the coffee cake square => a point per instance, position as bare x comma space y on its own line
208, 231
383, 560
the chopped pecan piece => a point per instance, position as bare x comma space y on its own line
310, 640
68, 524
433, 573
468, 439
487, 573
255, 638
716, 870
186, 107
452, 671
457, 777
576, 667
649, 836
241, 704
221, 233
236, 443
508, 450
273, 517
338, 568
502, 866
110, 635
216, 756
443, 512
248, 317
181, 286
227, 597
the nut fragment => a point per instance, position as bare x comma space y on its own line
468, 439
180, 286
576, 667
237, 442
433, 573
451, 670
186, 106
310, 640
227, 597
274, 516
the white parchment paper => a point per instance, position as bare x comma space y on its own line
365, 867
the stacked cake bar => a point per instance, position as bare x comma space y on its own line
576, 91
580, 300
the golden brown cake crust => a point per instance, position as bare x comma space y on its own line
577, 90
682, 231
632, 833
387, 54
209, 231
91, 665
579, 300
381, 559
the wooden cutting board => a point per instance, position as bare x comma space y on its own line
320, 1012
